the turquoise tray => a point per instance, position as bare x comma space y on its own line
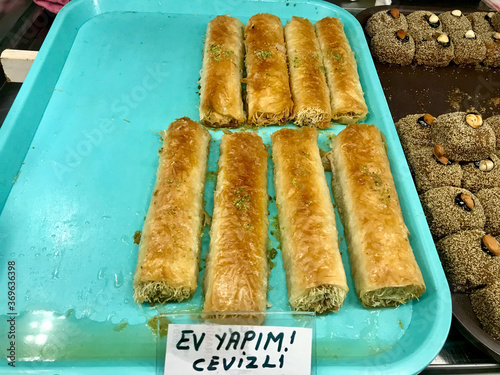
77, 167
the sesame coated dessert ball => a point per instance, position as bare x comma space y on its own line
386, 20
495, 21
430, 172
466, 260
494, 123
481, 174
492, 44
393, 47
490, 200
454, 21
480, 22
451, 209
437, 50
486, 305
468, 47
464, 136
423, 24
415, 130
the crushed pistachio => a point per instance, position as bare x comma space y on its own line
137, 237
321, 68
243, 200
215, 50
247, 225
337, 56
218, 53
385, 194
296, 62
272, 253
263, 54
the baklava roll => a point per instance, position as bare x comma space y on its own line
269, 99
384, 268
221, 103
346, 94
169, 250
310, 93
315, 275
237, 268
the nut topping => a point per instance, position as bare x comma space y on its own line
439, 155
490, 245
456, 13
496, 36
394, 13
438, 151
444, 40
486, 165
465, 201
474, 120
426, 120
401, 35
469, 202
470, 34
433, 19
490, 15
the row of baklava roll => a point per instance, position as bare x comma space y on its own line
384, 268
427, 39
298, 73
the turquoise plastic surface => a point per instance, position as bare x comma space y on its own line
77, 167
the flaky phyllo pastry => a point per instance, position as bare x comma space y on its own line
383, 266
269, 99
221, 103
315, 275
169, 250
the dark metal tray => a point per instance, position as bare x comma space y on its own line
419, 89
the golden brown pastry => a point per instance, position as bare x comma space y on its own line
309, 90
237, 266
167, 268
221, 103
383, 266
269, 98
346, 94
309, 244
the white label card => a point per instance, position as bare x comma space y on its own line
237, 350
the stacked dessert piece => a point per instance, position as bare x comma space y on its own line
427, 39
455, 164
